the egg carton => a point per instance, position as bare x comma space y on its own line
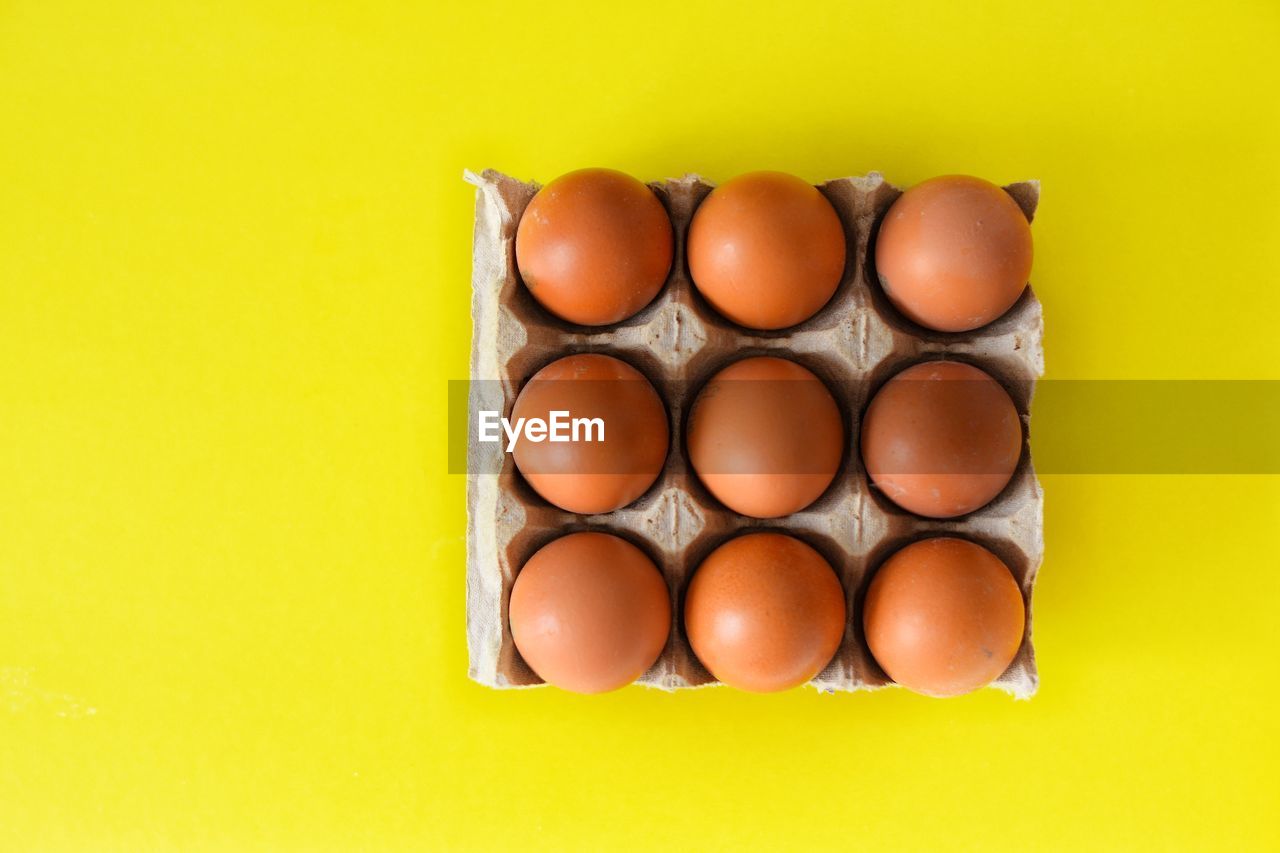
855, 343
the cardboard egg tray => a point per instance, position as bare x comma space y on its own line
855, 343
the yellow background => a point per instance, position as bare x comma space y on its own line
234, 266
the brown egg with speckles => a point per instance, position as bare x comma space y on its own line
954, 253
590, 612
764, 612
765, 437
766, 250
941, 439
943, 617
583, 474
594, 246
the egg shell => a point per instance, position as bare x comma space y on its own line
593, 476
766, 250
765, 436
954, 253
943, 616
765, 612
941, 439
594, 246
590, 612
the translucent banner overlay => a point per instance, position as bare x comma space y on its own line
1076, 426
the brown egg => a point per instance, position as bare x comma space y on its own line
594, 246
941, 439
590, 612
943, 617
592, 476
764, 612
765, 437
766, 250
954, 253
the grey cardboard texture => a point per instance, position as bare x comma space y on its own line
855, 343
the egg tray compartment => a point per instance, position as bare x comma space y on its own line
855, 343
